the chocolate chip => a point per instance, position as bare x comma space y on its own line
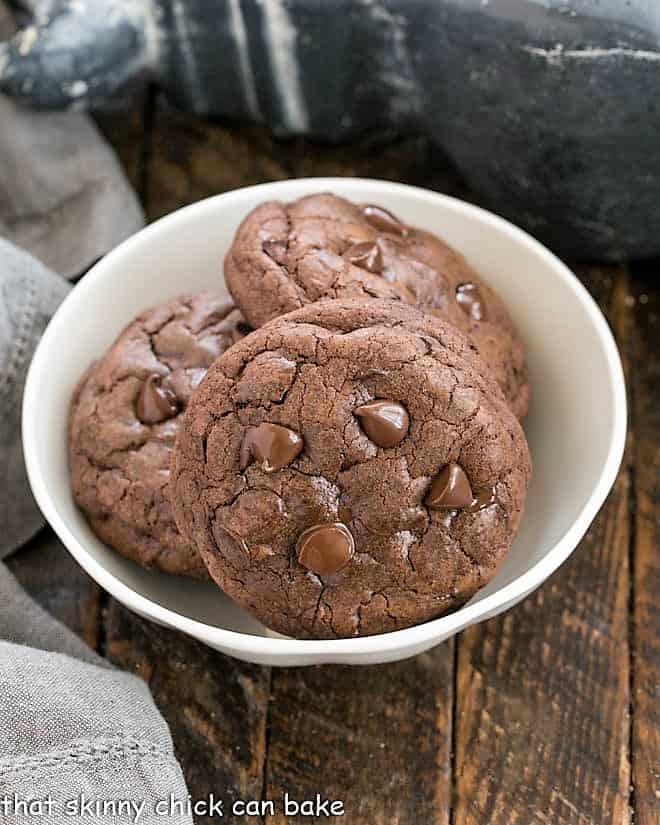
484, 498
325, 548
469, 299
366, 255
385, 221
276, 250
450, 489
156, 402
271, 445
385, 422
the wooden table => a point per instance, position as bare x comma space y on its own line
548, 714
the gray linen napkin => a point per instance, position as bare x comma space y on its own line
63, 196
77, 735
29, 294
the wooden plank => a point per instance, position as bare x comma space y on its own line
52, 577
193, 158
215, 706
378, 739
645, 385
128, 132
542, 724
411, 160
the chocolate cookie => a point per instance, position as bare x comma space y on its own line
124, 417
350, 468
287, 255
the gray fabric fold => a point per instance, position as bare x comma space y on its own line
24, 622
63, 195
76, 732
29, 294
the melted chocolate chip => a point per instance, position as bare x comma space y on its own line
484, 498
271, 445
450, 489
385, 422
469, 299
156, 402
385, 221
366, 255
325, 548
275, 250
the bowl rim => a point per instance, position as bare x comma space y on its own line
277, 646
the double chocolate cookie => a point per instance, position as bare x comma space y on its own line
285, 256
124, 417
350, 468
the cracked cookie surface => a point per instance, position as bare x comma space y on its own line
349, 469
123, 420
287, 255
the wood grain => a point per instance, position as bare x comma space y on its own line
411, 160
129, 134
376, 738
215, 706
644, 334
193, 158
542, 723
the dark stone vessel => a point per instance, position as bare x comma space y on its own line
549, 108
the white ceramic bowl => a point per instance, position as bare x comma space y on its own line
576, 424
